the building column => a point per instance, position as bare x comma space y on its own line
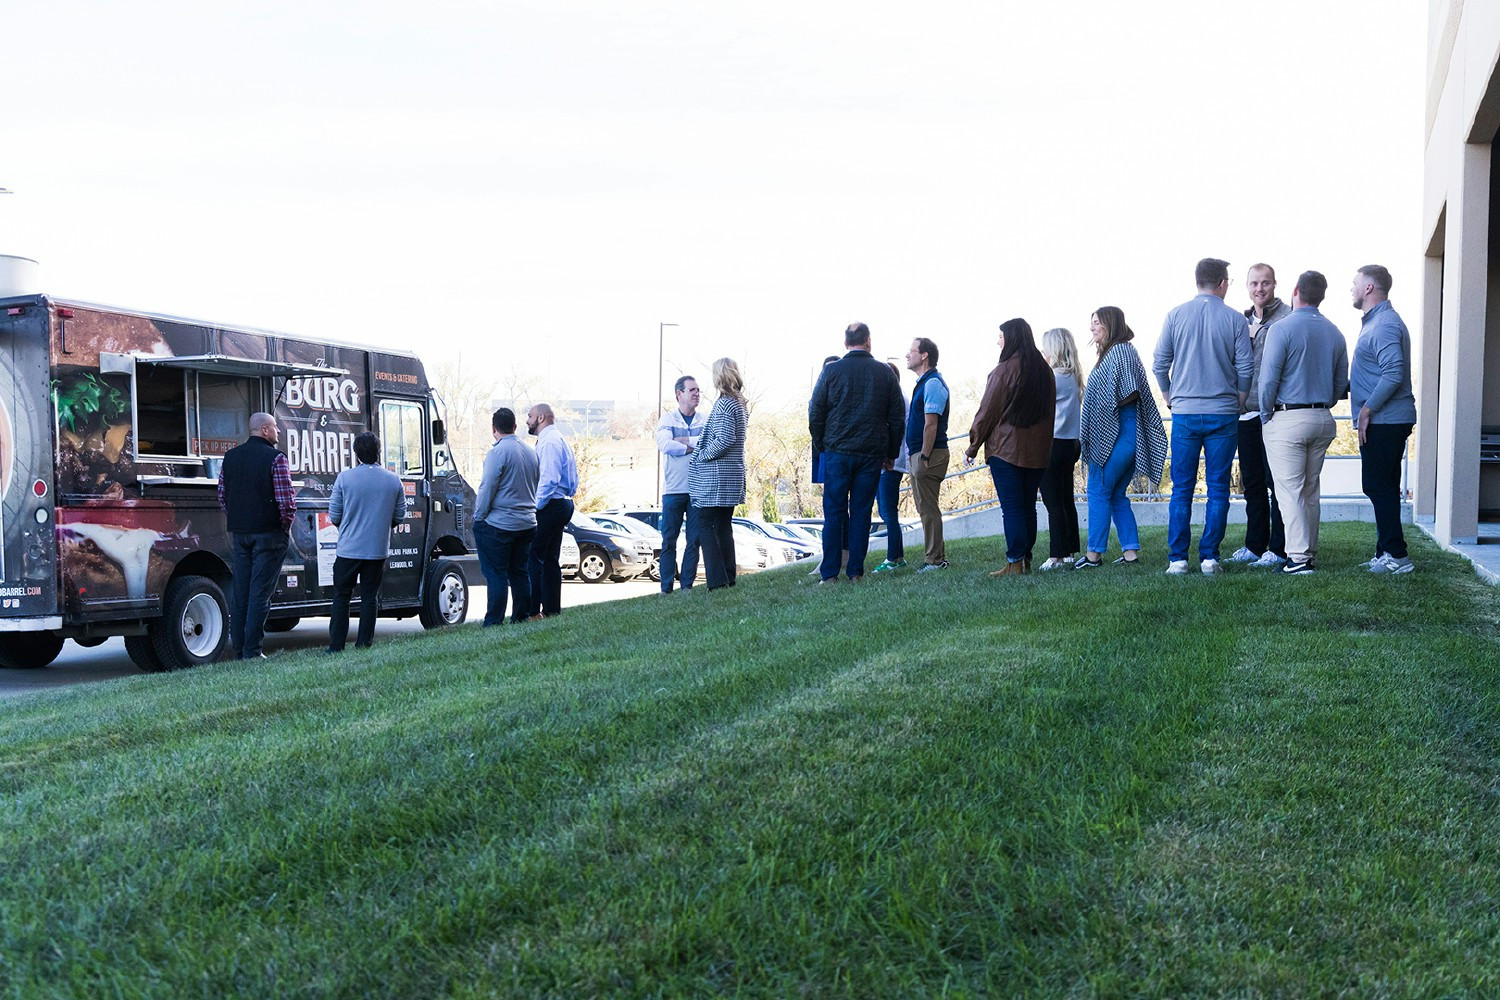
1431, 390
1465, 294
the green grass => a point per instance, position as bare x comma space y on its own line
1113, 783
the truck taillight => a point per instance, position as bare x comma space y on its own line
39, 488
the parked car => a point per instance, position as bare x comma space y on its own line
799, 549
607, 554
752, 550
567, 558
623, 522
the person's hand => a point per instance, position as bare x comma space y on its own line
1364, 424
969, 456
887, 465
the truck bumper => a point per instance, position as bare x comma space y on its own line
30, 624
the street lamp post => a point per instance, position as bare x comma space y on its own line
661, 334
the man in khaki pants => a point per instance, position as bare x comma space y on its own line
1304, 371
927, 444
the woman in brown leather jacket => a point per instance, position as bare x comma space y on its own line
1014, 423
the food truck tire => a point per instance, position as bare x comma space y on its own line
28, 650
194, 626
143, 654
445, 598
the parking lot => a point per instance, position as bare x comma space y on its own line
76, 665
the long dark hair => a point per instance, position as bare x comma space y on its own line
1037, 386
1113, 319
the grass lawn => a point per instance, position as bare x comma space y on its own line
1111, 783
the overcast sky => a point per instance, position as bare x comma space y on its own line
542, 183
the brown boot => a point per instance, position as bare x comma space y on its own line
1011, 569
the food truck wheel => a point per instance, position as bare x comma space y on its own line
143, 654
194, 625
26, 650
445, 598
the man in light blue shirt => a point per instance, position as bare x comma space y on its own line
367, 502
1385, 411
505, 520
1204, 364
1303, 372
557, 481
677, 434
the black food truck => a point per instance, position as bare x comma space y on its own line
113, 426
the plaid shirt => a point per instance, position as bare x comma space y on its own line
281, 486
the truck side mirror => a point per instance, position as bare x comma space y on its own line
439, 436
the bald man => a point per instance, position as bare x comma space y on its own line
556, 483
255, 493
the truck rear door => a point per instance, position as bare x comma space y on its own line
28, 552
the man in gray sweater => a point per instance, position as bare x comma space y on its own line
367, 502
505, 520
1203, 364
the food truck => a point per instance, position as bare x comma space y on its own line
113, 427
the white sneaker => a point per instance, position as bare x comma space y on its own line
1391, 566
1269, 560
1243, 555
1177, 567
1055, 563
1211, 566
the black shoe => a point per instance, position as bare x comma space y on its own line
1122, 561
1297, 568
1084, 562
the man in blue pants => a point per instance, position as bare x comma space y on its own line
1204, 364
856, 418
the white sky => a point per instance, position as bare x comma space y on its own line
542, 183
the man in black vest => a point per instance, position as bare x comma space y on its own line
255, 491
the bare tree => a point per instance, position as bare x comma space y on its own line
467, 393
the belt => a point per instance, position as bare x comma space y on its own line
1302, 406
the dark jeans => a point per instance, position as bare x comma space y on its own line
1016, 489
675, 508
1263, 525
502, 559
849, 486
716, 533
887, 500
369, 572
1380, 479
1057, 495
546, 574
255, 561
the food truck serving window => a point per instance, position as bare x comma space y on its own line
192, 408
402, 427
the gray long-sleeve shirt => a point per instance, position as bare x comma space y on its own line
367, 502
1306, 361
506, 498
1203, 361
1380, 375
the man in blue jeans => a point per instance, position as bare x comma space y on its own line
255, 492
856, 418
505, 520
1204, 364
677, 434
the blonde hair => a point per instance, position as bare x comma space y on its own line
1058, 345
728, 381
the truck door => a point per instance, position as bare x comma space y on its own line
402, 427
28, 536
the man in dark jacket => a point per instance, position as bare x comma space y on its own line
255, 491
856, 421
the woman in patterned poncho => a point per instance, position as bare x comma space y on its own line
1121, 437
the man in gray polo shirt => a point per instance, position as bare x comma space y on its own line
1385, 411
367, 502
1304, 371
505, 520
1203, 364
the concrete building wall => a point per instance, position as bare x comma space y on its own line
1458, 342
